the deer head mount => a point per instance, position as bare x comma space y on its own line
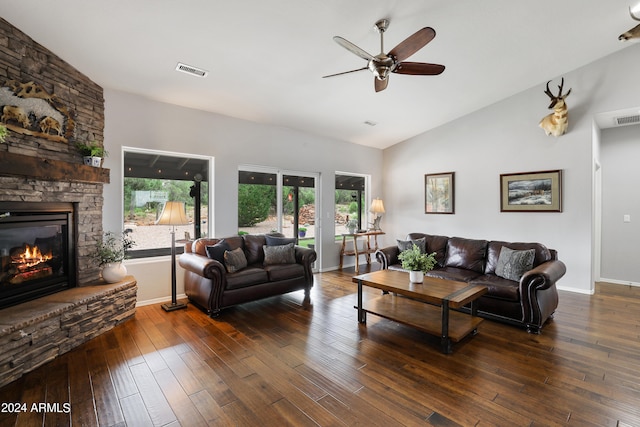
557, 122
633, 33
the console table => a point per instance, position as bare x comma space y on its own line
367, 249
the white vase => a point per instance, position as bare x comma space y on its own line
114, 272
416, 276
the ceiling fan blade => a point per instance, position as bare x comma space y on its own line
412, 44
380, 84
419, 68
353, 48
344, 72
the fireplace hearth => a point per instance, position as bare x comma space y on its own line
37, 250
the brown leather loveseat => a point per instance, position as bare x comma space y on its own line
220, 273
527, 302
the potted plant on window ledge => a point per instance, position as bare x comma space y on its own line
417, 262
92, 153
110, 252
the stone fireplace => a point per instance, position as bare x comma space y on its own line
43, 180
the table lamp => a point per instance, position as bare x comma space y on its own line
173, 214
377, 208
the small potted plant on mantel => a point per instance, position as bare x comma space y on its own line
417, 263
93, 153
3, 132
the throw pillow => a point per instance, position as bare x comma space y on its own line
217, 251
403, 245
277, 240
513, 264
235, 260
281, 254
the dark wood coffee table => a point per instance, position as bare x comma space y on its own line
424, 306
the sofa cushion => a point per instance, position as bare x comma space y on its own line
404, 245
513, 264
235, 260
249, 276
253, 244
453, 273
543, 254
279, 272
217, 251
278, 240
281, 254
498, 287
437, 244
466, 253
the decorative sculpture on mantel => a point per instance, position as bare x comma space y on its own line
633, 33
22, 102
557, 122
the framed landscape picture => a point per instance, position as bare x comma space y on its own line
531, 192
439, 193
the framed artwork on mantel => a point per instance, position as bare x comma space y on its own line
531, 191
439, 193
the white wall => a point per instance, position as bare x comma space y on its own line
133, 121
505, 138
620, 177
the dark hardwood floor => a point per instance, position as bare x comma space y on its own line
275, 363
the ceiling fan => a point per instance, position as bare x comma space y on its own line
393, 62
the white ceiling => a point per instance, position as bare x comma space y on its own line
266, 57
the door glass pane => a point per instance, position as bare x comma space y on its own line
299, 208
257, 204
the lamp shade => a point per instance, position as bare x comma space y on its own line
173, 214
377, 207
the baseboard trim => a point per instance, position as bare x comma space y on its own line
619, 282
158, 300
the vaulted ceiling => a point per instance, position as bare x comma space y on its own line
265, 59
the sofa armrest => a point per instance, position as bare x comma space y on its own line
539, 293
388, 256
306, 257
202, 266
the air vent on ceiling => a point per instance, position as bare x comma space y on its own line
189, 69
628, 120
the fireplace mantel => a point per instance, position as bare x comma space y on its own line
19, 165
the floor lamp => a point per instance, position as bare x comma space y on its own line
173, 214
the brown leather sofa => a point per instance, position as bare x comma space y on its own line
210, 286
528, 302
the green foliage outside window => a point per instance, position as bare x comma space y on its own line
254, 203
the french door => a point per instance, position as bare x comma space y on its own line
279, 200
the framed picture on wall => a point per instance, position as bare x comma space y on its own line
439, 193
531, 191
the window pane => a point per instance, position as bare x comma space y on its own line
350, 203
150, 181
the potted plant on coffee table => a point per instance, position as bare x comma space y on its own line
417, 262
110, 252
92, 153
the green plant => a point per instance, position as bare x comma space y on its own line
91, 149
302, 229
113, 248
3, 133
415, 260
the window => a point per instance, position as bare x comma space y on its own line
350, 201
152, 178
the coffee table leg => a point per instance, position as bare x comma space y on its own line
474, 313
362, 315
445, 341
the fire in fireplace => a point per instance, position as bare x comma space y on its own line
37, 250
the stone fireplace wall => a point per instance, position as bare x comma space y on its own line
24, 60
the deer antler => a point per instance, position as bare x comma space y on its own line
548, 91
